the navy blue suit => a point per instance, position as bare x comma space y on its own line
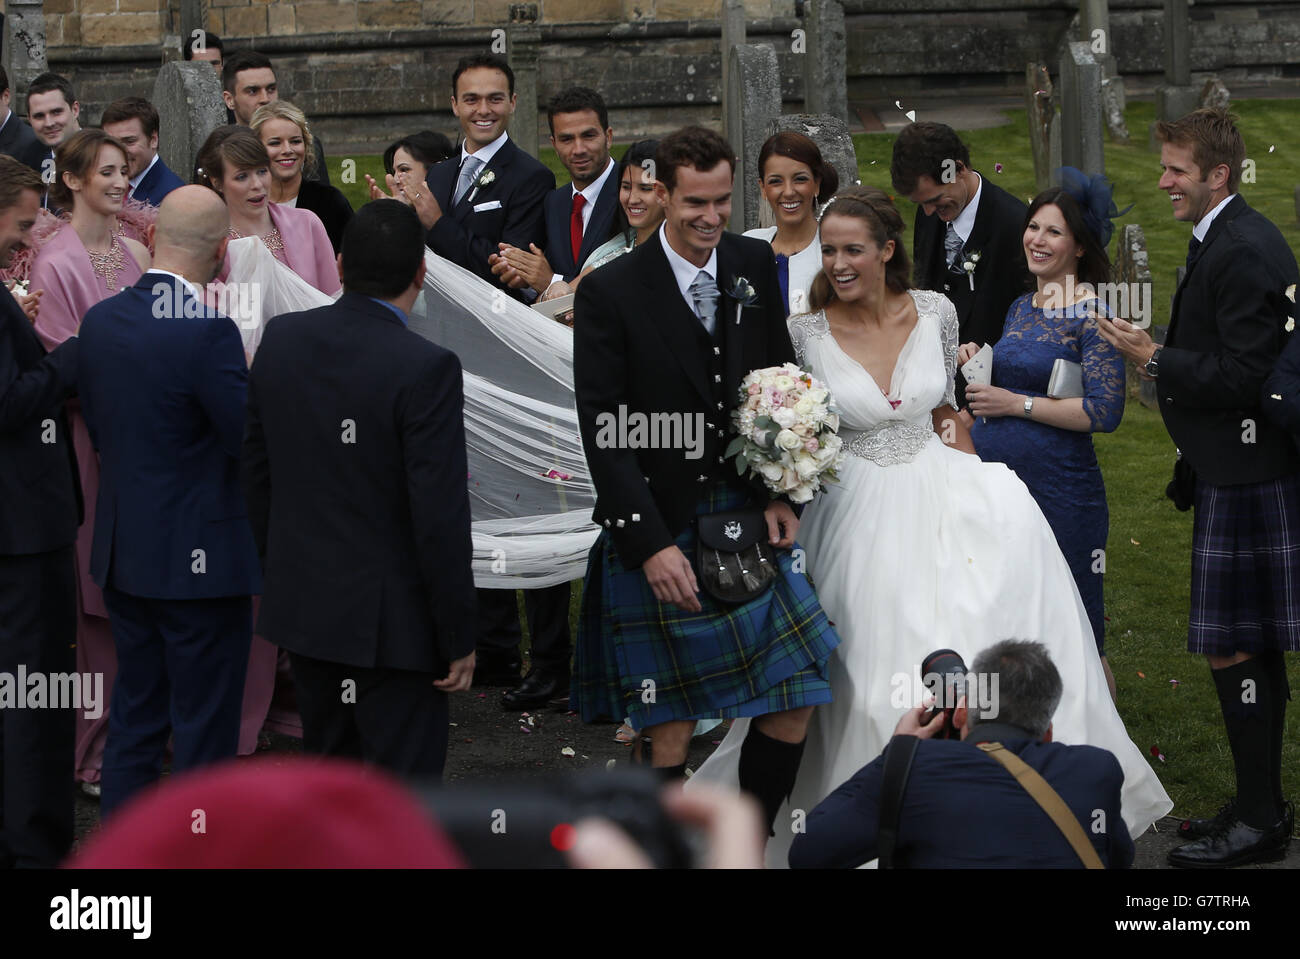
559, 210
156, 184
163, 395
17, 138
962, 809
40, 509
506, 210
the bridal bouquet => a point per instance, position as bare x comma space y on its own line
787, 432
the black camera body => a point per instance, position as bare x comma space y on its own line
943, 672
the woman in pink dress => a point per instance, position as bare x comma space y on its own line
234, 163
85, 261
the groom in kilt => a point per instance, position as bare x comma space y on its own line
1230, 320
662, 336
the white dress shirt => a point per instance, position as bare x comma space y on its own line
684, 271
965, 221
1203, 224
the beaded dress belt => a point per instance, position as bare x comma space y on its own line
889, 443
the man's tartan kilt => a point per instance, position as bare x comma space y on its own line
1246, 568
765, 656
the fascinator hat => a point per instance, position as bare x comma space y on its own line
1095, 198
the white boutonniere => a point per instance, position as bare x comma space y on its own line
968, 264
1290, 320
485, 179
743, 292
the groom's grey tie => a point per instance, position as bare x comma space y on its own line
467, 173
952, 244
705, 293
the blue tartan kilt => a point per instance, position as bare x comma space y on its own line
1246, 568
765, 656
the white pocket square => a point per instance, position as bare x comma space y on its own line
489, 205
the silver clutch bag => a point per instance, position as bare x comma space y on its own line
1066, 381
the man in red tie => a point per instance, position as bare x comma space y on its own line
581, 215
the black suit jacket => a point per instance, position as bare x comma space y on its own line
962, 809
507, 210
330, 205
559, 209
1226, 331
354, 468
636, 345
1001, 274
17, 139
40, 493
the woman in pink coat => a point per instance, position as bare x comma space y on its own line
83, 262
234, 163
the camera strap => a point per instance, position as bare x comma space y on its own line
1046, 797
898, 766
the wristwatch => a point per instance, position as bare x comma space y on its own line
1152, 366
1029, 406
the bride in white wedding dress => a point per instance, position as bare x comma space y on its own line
919, 546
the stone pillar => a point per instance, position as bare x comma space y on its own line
24, 41
1044, 127
1176, 97
733, 34
825, 87
1082, 129
191, 20
523, 45
757, 80
1133, 270
188, 97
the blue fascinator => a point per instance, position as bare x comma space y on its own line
1095, 198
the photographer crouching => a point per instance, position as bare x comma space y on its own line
998, 793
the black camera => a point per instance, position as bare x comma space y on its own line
528, 824
943, 672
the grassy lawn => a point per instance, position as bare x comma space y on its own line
1148, 556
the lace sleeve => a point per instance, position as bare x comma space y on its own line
803, 327
1103, 374
948, 332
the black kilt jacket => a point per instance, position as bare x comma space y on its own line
638, 345
1226, 331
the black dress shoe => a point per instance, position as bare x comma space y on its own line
1234, 844
540, 687
1200, 828
496, 672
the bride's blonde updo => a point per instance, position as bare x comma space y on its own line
873, 207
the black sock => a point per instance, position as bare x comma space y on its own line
1275, 663
1246, 697
767, 771
671, 774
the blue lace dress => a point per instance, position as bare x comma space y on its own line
1059, 466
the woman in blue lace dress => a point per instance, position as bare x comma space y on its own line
1048, 442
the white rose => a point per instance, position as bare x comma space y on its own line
770, 471
784, 383
801, 495
788, 440
818, 395
805, 407
805, 466
785, 417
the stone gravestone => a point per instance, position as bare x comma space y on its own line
1176, 97
1082, 128
733, 34
523, 46
24, 54
831, 134
1044, 125
757, 80
187, 94
1133, 269
1215, 94
1094, 30
825, 84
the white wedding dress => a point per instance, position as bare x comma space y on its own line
920, 547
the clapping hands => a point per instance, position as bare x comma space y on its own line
414, 194
518, 268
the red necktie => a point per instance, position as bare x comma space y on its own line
575, 225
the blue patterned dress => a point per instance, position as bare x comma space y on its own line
1059, 466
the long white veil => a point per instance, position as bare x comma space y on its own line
531, 495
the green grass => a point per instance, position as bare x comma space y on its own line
1148, 556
